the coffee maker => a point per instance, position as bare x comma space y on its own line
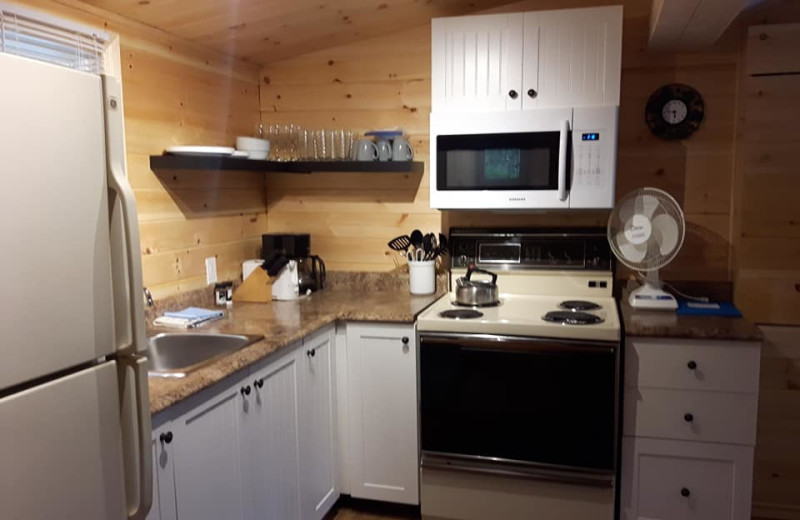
296, 247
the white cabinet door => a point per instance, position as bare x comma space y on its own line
272, 449
163, 477
477, 63
316, 425
382, 373
209, 480
572, 57
679, 480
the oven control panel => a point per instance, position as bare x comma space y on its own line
585, 249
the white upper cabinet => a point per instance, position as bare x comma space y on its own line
540, 59
476, 63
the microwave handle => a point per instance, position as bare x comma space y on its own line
562, 161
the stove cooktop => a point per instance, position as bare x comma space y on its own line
524, 315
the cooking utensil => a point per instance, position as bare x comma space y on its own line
429, 245
442, 243
416, 238
477, 292
401, 243
417, 255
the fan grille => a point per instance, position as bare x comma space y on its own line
666, 236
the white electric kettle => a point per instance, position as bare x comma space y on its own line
286, 285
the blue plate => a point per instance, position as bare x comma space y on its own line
385, 134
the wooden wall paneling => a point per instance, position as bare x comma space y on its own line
313, 90
777, 459
178, 93
772, 49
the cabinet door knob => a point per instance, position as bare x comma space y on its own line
688, 417
405, 340
245, 390
512, 94
259, 383
311, 353
692, 365
165, 437
532, 93
685, 492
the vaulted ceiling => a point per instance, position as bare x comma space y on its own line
262, 31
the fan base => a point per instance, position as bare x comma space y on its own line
652, 298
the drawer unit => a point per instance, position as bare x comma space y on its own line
693, 416
693, 365
685, 480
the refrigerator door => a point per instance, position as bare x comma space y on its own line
61, 449
54, 221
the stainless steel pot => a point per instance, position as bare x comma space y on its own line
477, 292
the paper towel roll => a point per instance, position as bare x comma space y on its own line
248, 266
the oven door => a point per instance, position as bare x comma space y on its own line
501, 160
528, 407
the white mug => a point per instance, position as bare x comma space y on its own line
365, 150
401, 150
384, 150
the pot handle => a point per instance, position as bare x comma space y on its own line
473, 269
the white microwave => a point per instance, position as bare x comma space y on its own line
558, 158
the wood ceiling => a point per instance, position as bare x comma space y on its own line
261, 31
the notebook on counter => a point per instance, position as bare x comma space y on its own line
727, 309
187, 318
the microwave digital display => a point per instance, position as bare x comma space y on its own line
590, 137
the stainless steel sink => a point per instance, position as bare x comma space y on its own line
177, 354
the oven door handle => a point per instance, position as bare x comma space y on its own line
527, 471
562, 161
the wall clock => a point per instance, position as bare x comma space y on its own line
674, 111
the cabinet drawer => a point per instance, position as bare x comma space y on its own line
672, 480
694, 416
693, 365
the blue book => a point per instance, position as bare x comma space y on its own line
687, 308
195, 314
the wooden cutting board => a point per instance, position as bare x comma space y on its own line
257, 288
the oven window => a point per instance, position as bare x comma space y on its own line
517, 161
547, 406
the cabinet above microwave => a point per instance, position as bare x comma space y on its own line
539, 59
559, 158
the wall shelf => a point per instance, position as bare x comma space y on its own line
191, 162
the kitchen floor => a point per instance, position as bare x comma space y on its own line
352, 509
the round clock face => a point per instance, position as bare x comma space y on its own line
674, 111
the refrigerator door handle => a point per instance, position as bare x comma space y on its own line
140, 470
126, 257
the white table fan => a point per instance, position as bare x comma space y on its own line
645, 231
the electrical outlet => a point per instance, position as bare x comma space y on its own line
211, 270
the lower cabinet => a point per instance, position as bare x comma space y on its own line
686, 480
382, 383
259, 446
316, 425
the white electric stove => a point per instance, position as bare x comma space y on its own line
519, 401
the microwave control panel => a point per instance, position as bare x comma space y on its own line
594, 151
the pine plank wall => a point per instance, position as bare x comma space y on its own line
177, 93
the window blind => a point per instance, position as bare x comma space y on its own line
47, 39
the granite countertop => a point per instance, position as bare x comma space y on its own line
281, 324
669, 325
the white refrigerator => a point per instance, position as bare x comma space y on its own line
74, 415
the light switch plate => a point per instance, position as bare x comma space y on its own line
211, 270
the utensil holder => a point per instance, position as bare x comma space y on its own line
422, 277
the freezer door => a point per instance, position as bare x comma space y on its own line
54, 221
61, 449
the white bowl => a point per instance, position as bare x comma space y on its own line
260, 155
251, 144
